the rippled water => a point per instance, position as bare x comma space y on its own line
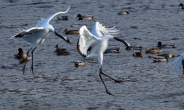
58, 85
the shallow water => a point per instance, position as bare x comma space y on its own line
58, 85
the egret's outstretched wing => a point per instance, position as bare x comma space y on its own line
46, 21
123, 41
27, 32
126, 44
86, 40
178, 62
99, 30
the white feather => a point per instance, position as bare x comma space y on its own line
44, 21
86, 40
178, 62
99, 30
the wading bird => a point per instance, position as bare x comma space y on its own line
36, 35
97, 42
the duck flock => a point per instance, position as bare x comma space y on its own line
91, 45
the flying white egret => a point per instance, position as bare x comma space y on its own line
178, 62
36, 35
97, 43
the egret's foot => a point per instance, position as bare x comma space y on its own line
118, 81
109, 93
31, 70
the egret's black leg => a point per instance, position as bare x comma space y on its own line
101, 72
23, 69
32, 60
117, 81
103, 81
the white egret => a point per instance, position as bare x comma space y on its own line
97, 42
36, 35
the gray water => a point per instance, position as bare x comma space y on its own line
58, 85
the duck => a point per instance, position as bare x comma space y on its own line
138, 54
112, 50
72, 32
182, 5
62, 17
160, 45
161, 58
79, 63
123, 13
61, 51
170, 55
22, 56
153, 50
87, 17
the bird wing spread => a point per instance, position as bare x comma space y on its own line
86, 40
46, 21
99, 30
27, 32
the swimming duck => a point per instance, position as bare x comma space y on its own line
79, 63
153, 50
170, 55
62, 17
138, 54
112, 50
72, 32
61, 51
22, 56
87, 17
160, 45
182, 5
123, 13
161, 58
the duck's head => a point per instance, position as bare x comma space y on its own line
181, 4
79, 16
167, 57
56, 46
66, 30
20, 50
159, 43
